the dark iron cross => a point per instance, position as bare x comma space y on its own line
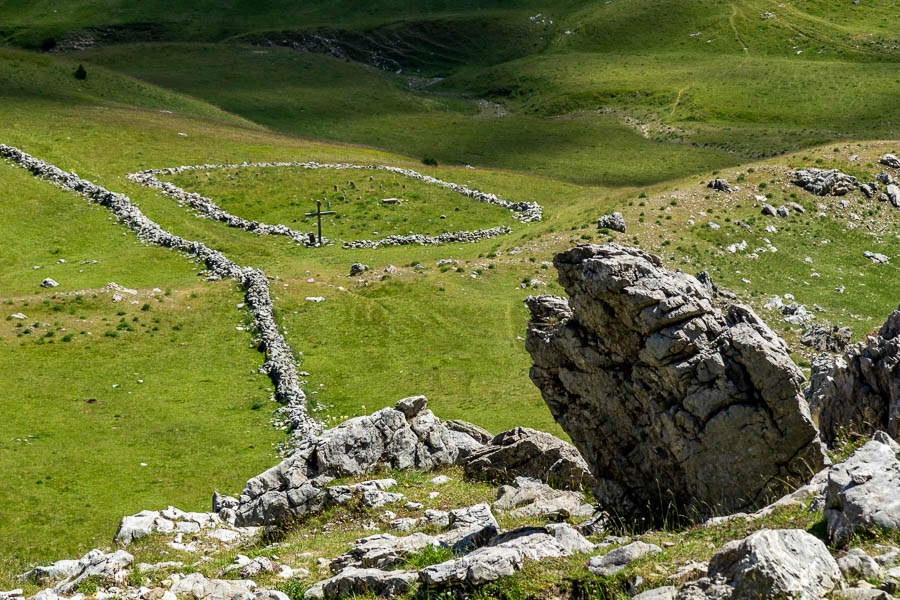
319, 212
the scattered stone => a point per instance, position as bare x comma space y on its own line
867, 190
597, 525
661, 593
20, 316
357, 268
859, 390
49, 283
893, 194
616, 560
714, 226
530, 453
863, 492
824, 182
382, 551
440, 480
708, 404
769, 210
876, 258
615, 221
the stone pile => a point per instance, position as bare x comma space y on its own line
672, 402
824, 182
280, 364
860, 391
173, 520
889, 160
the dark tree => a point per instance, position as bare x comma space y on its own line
80, 73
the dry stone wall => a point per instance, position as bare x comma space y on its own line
525, 212
280, 364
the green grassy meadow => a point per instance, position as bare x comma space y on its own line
610, 107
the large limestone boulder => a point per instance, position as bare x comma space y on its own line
113, 567
860, 390
673, 402
530, 453
776, 563
406, 436
863, 492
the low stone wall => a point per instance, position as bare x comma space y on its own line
525, 212
279, 365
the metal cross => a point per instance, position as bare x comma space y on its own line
319, 214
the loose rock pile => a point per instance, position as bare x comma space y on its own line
860, 390
421, 239
667, 398
280, 364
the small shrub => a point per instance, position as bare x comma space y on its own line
146, 306
430, 161
80, 73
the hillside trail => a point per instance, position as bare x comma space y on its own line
737, 34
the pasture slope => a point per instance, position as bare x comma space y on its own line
584, 108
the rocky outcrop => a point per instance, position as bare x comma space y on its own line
863, 492
403, 437
860, 390
353, 582
720, 185
824, 182
771, 563
67, 574
674, 403
826, 338
529, 453
889, 160
615, 221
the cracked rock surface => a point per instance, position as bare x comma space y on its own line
671, 401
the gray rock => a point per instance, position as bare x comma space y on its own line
824, 182
666, 592
877, 258
352, 582
796, 207
856, 564
357, 268
859, 593
867, 190
437, 518
49, 283
530, 453
505, 555
615, 221
863, 492
720, 185
615, 560
113, 567
708, 405
769, 210
782, 563
479, 434
860, 390
782, 212
597, 525
890, 160
199, 587
530, 498
382, 551
61, 569
893, 194
885, 178
260, 564
826, 337
465, 445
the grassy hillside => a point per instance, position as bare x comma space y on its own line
627, 111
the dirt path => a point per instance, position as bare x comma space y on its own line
737, 34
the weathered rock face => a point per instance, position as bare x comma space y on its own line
670, 400
780, 563
530, 453
403, 437
826, 338
860, 391
863, 492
